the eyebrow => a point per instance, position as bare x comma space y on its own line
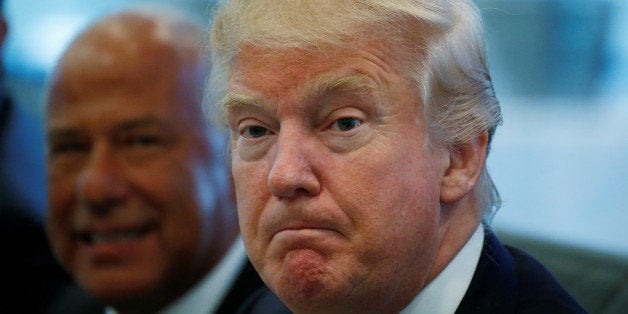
142, 122
77, 132
350, 84
235, 100
63, 133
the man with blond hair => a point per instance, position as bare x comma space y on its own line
360, 131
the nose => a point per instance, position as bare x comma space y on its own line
101, 183
293, 172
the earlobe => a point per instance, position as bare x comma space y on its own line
465, 166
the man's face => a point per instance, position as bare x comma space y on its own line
131, 205
338, 196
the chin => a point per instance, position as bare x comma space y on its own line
117, 287
307, 279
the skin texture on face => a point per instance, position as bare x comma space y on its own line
339, 199
134, 212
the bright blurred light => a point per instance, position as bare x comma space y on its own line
40, 30
42, 52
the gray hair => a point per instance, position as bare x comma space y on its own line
443, 42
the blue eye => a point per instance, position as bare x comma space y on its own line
346, 124
255, 131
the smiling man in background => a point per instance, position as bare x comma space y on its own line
140, 209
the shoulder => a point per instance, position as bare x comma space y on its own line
243, 287
539, 290
72, 299
263, 301
508, 280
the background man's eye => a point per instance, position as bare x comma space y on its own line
346, 124
145, 140
65, 148
255, 131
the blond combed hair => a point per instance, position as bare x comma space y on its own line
442, 40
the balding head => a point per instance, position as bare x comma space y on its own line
139, 208
138, 47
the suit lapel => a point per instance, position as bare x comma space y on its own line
246, 284
494, 287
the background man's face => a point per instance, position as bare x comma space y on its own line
131, 202
337, 194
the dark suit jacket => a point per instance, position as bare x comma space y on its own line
74, 300
28, 269
247, 283
506, 280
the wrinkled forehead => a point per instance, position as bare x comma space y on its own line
315, 26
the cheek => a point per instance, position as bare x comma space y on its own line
62, 188
393, 195
175, 182
176, 192
250, 179
184, 214
252, 194
61, 206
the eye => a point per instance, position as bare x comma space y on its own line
254, 131
144, 140
67, 148
67, 154
346, 123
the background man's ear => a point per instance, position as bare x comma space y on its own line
465, 166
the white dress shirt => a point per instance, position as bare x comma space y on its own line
445, 292
208, 294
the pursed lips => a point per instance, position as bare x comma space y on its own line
303, 219
304, 226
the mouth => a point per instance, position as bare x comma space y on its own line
311, 237
113, 236
302, 226
303, 229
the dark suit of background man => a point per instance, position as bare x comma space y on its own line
360, 131
140, 208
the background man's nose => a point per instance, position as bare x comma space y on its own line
101, 183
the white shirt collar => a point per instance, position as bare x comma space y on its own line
209, 293
443, 294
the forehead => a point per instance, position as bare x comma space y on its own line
98, 81
105, 105
274, 75
74, 95
98, 63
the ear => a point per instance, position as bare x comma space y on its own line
466, 163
